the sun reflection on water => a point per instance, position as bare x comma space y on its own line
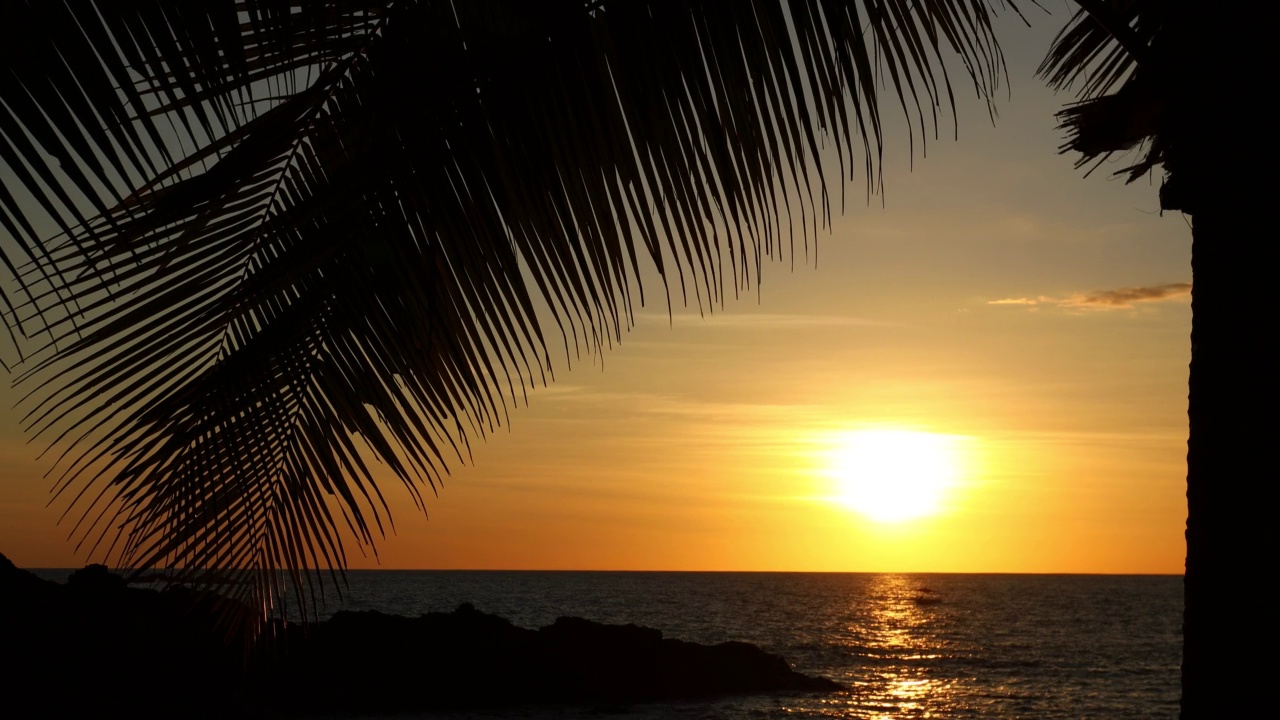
893, 644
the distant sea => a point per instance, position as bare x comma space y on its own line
906, 646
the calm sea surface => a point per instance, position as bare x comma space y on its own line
906, 646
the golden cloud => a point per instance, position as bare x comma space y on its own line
1118, 299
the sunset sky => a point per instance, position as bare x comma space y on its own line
1035, 323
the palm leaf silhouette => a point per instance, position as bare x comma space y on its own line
276, 242
1109, 53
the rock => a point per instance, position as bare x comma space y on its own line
20, 589
469, 659
98, 648
96, 578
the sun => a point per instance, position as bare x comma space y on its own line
890, 476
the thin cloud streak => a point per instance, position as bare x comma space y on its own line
1118, 299
764, 320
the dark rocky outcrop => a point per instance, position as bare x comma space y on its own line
96, 647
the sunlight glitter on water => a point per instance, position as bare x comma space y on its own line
897, 638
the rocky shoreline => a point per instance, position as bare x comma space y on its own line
95, 646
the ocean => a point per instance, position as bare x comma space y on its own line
905, 645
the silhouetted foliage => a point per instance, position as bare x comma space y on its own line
299, 237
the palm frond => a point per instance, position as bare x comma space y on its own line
1109, 53
289, 239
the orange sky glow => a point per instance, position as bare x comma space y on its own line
992, 296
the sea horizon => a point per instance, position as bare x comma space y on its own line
906, 645
36, 569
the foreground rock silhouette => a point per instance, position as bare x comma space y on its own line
96, 647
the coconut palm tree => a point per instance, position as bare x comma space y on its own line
1160, 79
283, 241
255, 246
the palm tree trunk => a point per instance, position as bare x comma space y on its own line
1229, 625
1229, 621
